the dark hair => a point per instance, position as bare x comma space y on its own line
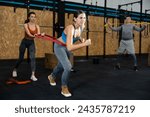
127, 16
27, 20
78, 13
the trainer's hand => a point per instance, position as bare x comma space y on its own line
42, 34
109, 24
83, 40
88, 42
35, 35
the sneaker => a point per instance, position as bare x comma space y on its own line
135, 68
14, 73
117, 67
33, 78
65, 92
51, 80
73, 70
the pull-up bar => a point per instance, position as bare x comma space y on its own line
129, 4
147, 10
84, 1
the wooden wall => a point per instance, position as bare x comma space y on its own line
112, 39
96, 35
12, 32
146, 40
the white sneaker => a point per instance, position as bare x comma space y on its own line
65, 92
33, 78
14, 73
51, 80
66, 95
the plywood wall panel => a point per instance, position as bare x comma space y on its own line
12, 32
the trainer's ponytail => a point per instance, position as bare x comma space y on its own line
26, 21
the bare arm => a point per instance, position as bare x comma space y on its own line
114, 28
38, 29
70, 45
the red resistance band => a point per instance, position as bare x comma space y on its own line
53, 39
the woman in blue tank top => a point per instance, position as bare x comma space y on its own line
70, 35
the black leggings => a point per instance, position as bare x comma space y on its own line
29, 44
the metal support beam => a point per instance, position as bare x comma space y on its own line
147, 11
129, 3
104, 42
140, 36
28, 6
87, 35
84, 1
146, 15
61, 17
54, 17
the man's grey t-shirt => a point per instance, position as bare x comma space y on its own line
127, 30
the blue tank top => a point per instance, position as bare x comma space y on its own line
64, 37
